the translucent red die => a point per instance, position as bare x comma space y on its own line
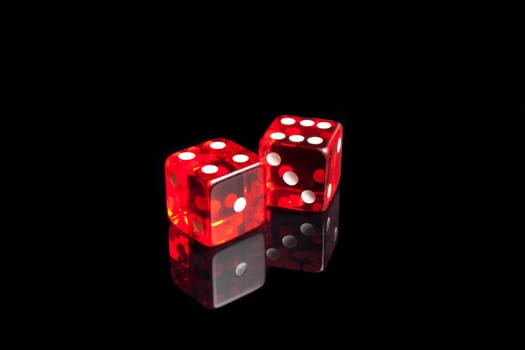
215, 191
217, 276
302, 159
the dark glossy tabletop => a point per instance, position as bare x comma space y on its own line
426, 191
408, 223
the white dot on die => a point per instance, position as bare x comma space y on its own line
307, 122
296, 138
307, 229
289, 241
339, 143
290, 178
273, 158
217, 145
288, 121
308, 196
186, 155
240, 158
277, 135
239, 205
329, 191
273, 254
324, 125
241, 269
314, 140
210, 169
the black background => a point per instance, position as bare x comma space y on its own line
428, 99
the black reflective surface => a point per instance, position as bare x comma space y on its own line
217, 276
418, 219
427, 195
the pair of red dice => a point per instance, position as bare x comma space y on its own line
218, 190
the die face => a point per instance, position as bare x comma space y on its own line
237, 205
298, 181
335, 156
302, 159
302, 241
198, 176
216, 276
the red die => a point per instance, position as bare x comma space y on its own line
215, 191
216, 276
302, 157
302, 241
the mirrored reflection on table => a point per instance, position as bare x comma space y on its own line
217, 276
302, 241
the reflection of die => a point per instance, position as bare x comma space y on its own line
302, 241
216, 276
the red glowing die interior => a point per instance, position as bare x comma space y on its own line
215, 191
302, 159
